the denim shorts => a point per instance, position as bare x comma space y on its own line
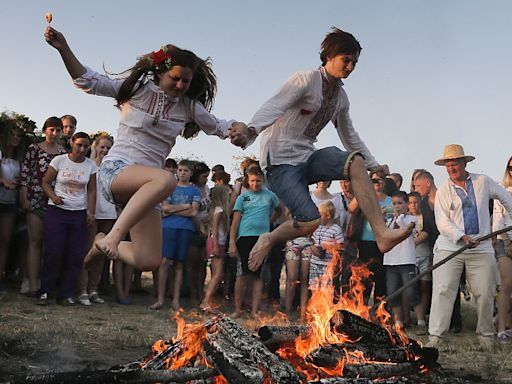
175, 243
500, 249
109, 169
396, 277
291, 182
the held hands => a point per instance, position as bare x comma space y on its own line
54, 38
241, 135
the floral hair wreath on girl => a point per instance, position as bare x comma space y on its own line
160, 57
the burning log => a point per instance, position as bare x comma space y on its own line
329, 355
180, 375
274, 336
358, 329
223, 331
384, 370
159, 361
236, 367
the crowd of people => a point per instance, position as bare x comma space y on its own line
89, 201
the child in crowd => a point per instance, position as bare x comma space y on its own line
178, 227
70, 184
423, 251
104, 220
298, 255
254, 211
327, 239
400, 262
216, 242
221, 177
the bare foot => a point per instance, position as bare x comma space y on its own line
175, 305
260, 251
392, 237
158, 305
108, 247
235, 315
94, 251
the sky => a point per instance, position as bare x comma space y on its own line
431, 73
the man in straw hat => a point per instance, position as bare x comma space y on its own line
462, 215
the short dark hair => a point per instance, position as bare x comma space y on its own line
171, 163
222, 176
199, 169
186, 163
401, 194
338, 42
415, 194
218, 168
53, 121
80, 135
255, 171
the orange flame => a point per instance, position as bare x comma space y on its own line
321, 309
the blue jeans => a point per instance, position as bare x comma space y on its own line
291, 182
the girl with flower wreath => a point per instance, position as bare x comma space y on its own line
166, 93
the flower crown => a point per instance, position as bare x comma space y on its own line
160, 57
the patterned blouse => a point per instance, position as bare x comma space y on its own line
33, 169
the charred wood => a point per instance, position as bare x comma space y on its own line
275, 337
329, 355
159, 361
180, 375
234, 365
358, 329
377, 370
227, 331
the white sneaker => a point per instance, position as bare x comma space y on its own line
84, 299
95, 298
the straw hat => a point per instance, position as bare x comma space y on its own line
453, 152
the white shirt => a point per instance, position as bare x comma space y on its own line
285, 117
449, 218
71, 181
138, 141
404, 252
501, 218
9, 170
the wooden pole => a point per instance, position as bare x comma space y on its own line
399, 291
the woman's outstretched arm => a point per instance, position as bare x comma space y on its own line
57, 40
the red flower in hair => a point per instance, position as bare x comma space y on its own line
159, 57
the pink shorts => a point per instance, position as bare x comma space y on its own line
210, 251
